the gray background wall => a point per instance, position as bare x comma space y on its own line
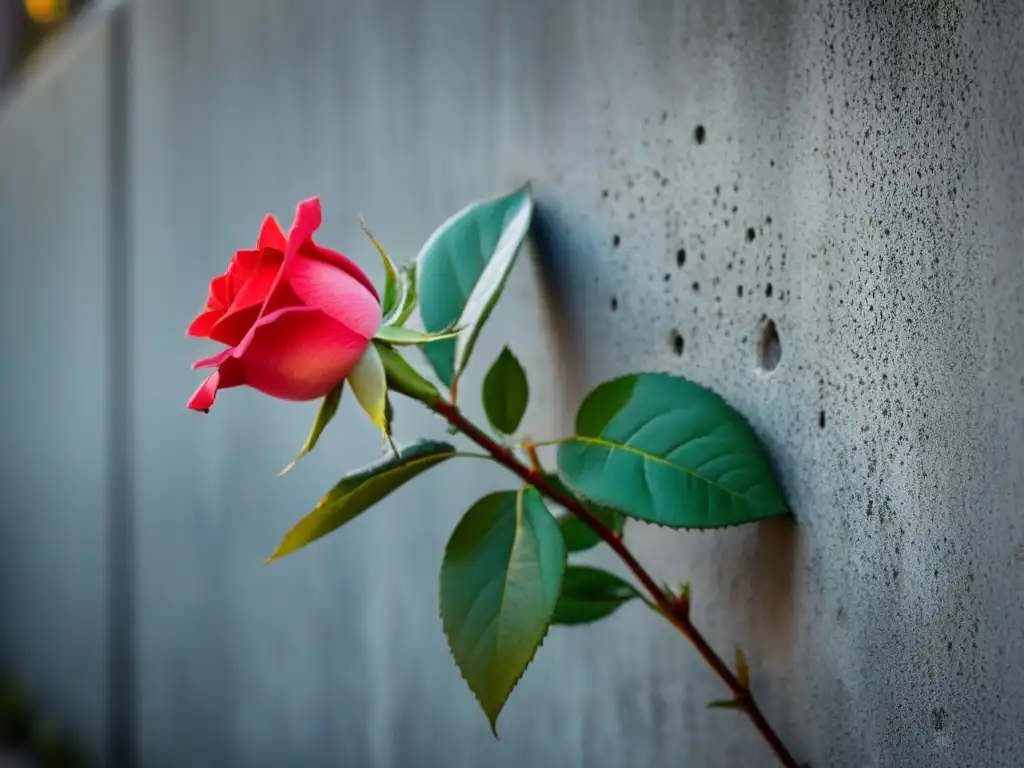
873, 151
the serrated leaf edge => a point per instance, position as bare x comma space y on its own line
786, 510
529, 661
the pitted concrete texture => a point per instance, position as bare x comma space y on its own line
813, 207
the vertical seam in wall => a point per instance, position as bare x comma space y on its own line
121, 698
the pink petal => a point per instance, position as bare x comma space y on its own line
203, 324
326, 254
307, 219
247, 260
219, 296
203, 397
271, 235
327, 287
232, 327
214, 360
300, 354
229, 375
257, 285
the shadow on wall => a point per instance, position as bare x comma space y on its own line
553, 239
776, 542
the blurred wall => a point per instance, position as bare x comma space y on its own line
857, 183
55, 358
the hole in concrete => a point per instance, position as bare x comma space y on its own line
768, 290
614, 303
751, 234
739, 291
696, 286
821, 419
699, 134
676, 339
616, 241
769, 347
680, 257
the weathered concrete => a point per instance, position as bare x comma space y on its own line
54, 394
857, 183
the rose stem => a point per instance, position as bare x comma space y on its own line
676, 610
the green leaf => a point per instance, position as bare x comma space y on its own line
403, 378
360, 490
578, 536
328, 407
407, 337
394, 286
725, 704
455, 266
663, 449
409, 296
369, 384
500, 580
589, 594
505, 393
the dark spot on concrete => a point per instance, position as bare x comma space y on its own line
769, 346
616, 241
604, 193
676, 339
699, 134
768, 290
751, 234
739, 291
696, 285
614, 303
939, 719
667, 277
821, 419
680, 257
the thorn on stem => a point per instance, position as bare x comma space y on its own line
531, 451
742, 670
681, 599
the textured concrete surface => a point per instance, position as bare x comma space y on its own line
54, 389
848, 171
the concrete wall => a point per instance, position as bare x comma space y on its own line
858, 183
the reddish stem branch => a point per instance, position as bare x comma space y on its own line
677, 611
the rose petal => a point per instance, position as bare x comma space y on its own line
326, 254
232, 327
272, 236
258, 281
300, 354
219, 293
248, 260
325, 286
213, 360
307, 219
228, 375
203, 324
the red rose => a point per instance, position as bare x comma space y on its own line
296, 317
